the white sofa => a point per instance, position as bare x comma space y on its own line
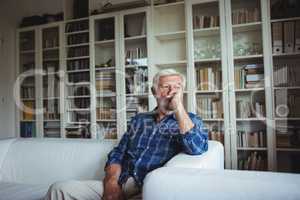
29, 166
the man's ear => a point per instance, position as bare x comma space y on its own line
153, 91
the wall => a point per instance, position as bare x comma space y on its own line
11, 13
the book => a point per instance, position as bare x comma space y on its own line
277, 37
289, 36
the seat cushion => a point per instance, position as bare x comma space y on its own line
15, 191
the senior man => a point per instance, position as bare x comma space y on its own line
153, 139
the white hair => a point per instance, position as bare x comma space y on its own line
167, 72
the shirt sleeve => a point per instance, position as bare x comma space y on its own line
195, 141
116, 155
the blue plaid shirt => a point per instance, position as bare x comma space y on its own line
148, 144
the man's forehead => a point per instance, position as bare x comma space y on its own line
170, 78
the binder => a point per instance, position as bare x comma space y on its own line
277, 38
297, 36
289, 36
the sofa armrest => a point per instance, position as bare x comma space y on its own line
213, 158
4, 147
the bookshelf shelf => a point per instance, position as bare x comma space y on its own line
285, 19
288, 119
138, 95
208, 91
287, 55
27, 99
78, 109
77, 58
179, 63
212, 120
76, 32
51, 98
105, 43
77, 45
106, 95
27, 52
105, 68
78, 84
27, 120
139, 37
288, 149
168, 5
106, 120
206, 60
51, 49
248, 57
78, 71
171, 35
77, 97
250, 119
253, 26
252, 148
287, 88
249, 90
203, 32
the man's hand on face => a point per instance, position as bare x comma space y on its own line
176, 100
112, 190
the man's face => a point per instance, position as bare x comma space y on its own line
168, 86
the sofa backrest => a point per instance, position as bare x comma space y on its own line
44, 161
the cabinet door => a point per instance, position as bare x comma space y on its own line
285, 33
249, 140
51, 81
135, 60
106, 60
169, 38
77, 78
210, 68
27, 65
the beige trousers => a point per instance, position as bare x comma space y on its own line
88, 190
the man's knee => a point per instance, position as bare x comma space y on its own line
62, 186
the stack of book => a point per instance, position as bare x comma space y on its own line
208, 107
216, 135
79, 77
137, 81
288, 137
28, 129
106, 109
202, 21
78, 39
245, 109
254, 161
208, 78
51, 110
77, 26
27, 92
78, 116
285, 74
78, 64
52, 129
245, 15
78, 51
135, 105
77, 132
28, 112
136, 56
105, 82
78, 91
251, 139
249, 76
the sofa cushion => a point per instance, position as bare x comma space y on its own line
44, 161
14, 191
194, 184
